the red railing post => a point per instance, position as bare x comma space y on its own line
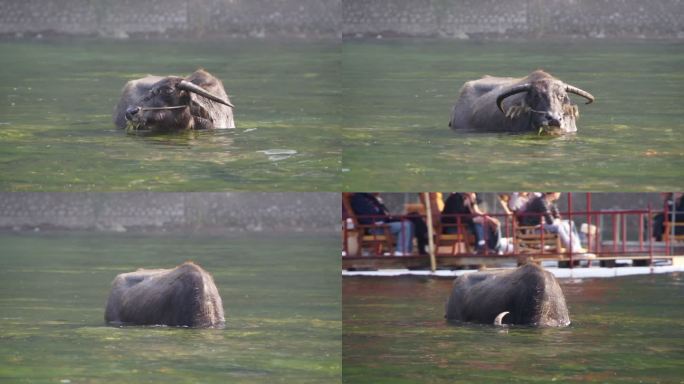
614, 221
600, 224
665, 235
641, 232
650, 233
345, 237
624, 232
589, 221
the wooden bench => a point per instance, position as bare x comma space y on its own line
366, 238
451, 244
535, 240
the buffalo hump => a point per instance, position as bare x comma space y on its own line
182, 296
531, 294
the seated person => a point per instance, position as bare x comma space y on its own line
370, 210
673, 204
436, 205
543, 210
418, 219
517, 201
486, 229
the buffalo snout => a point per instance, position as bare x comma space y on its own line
131, 112
552, 119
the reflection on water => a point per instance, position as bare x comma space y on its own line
58, 97
398, 95
279, 154
53, 290
623, 329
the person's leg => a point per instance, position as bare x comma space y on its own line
403, 231
658, 226
420, 230
408, 237
568, 227
494, 238
479, 232
564, 233
395, 229
571, 227
552, 228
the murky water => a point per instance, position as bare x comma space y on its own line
398, 95
57, 97
281, 296
626, 330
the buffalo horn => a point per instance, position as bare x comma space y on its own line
580, 92
511, 91
499, 318
188, 86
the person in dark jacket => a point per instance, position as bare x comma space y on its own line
463, 207
370, 210
541, 210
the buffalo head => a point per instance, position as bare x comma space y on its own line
546, 103
174, 103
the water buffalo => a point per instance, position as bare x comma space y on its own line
182, 296
538, 102
174, 103
530, 296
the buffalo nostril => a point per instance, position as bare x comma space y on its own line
552, 120
131, 111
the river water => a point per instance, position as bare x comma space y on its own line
398, 95
626, 329
56, 130
392, 97
281, 295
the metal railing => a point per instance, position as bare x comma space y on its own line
606, 234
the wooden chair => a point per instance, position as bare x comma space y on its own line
667, 234
534, 239
450, 244
379, 243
